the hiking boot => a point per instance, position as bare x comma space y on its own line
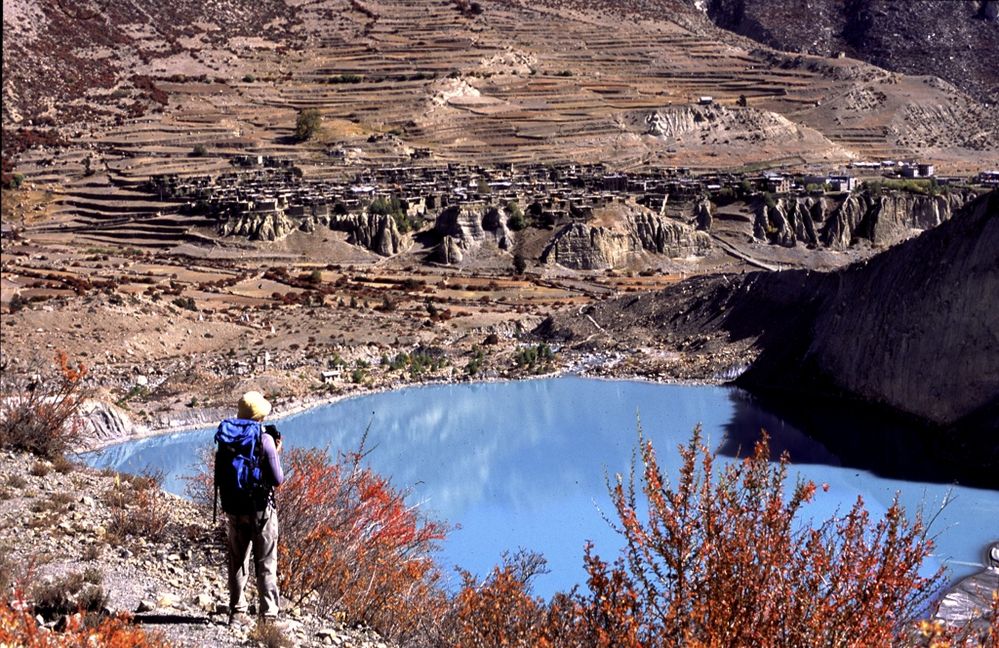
240, 619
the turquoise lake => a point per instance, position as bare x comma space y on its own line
522, 464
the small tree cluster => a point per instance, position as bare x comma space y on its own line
515, 219
476, 362
534, 357
307, 124
519, 264
418, 362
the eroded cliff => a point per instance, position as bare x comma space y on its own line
376, 232
881, 218
616, 235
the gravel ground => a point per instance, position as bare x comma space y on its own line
63, 521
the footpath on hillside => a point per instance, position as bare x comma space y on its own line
79, 538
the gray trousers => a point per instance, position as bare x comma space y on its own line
261, 531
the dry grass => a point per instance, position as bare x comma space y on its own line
268, 635
138, 508
74, 592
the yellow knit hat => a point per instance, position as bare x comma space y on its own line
253, 406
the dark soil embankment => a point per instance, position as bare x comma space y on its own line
911, 334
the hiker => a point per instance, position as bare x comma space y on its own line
247, 469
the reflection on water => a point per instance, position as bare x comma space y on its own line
522, 464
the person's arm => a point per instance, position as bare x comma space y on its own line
273, 459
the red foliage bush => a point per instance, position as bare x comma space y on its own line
498, 612
350, 543
19, 627
38, 412
723, 558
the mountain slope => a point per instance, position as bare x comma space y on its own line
889, 330
517, 82
912, 333
956, 40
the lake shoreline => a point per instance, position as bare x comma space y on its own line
208, 417
450, 444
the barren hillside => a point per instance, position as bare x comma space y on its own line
503, 81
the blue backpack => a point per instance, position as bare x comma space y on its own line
239, 480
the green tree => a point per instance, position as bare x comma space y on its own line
307, 124
515, 216
519, 264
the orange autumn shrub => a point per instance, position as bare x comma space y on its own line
609, 616
19, 627
499, 611
723, 558
350, 544
38, 412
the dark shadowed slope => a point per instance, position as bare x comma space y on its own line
954, 40
915, 328
912, 333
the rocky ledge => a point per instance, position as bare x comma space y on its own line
155, 555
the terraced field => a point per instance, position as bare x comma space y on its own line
401, 82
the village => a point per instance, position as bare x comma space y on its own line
548, 193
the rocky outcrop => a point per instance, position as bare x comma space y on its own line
790, 221
259, 226
376, 232
582, 246
698, 125
472, 225
448, 251
462, 228
702, 214
881, 218
668, 237
587, 247
103, 422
